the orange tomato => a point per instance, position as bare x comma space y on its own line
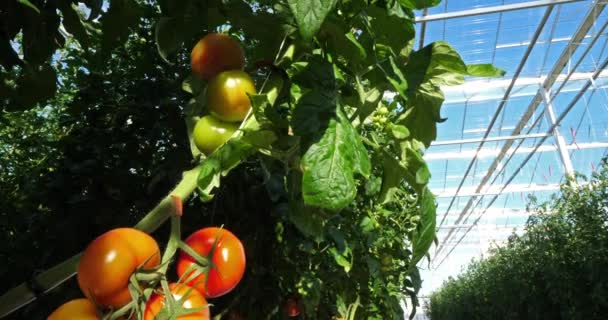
81, 309
179, 291
227, 95
109, 261
214, 53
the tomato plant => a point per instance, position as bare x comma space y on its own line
214, 53
185, 296
109, 261
81, 309
292, 307
210, 133
227, 261
228, 95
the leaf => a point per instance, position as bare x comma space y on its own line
342, 258
400, 84
36, 85
312, 114
310, 14
318, 74
390, 31
423, 113
230, 155
484, 70
419, 4
29, 4
307, 220
265, 113
425, 234
413, 169
73, 24
170, 33
400, 132
193, 85
115, 24
330, 165
96, 8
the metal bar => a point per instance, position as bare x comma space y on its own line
516, 189
422, 30
502, 103
476, 140
559, 139
575, 41
557, 122
490, 10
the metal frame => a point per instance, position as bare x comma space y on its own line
554, 122
490, 10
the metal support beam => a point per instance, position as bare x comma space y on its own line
489, 139
559, 139
490, 10
558, 120
561, 62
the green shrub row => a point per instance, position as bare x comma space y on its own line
558, 269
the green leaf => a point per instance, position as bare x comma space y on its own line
115, 24
419, 4
310, 14
423, 113
170, 33
312, 113
400, 132
95, 6
308, 220
265, 113
484, 70
399, 83
413, 169
390, 31
318, 74
342, 258
425, 234
36, 85
230, 155
193, 85
29, 4
73, 24
330, 165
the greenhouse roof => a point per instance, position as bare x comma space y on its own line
517, 136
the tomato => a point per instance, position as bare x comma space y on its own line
210, 133
227, 96
214, 53
81, 309
228, 259
192, 300
109, 261
292, 307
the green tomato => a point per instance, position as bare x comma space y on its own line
210, 133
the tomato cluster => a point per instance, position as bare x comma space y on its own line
219, 59
120, 256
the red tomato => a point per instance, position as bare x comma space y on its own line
192, 300
292, 307
81, 309
109, 261
228, 259
214, 53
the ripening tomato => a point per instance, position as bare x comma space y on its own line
210, 133
109, 261
228, 259
292, 307
227, 95
192, 300
81, 309
214, 53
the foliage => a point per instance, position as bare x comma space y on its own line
325, 182
555, 270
